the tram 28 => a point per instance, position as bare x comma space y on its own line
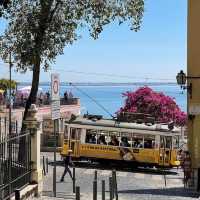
106, 139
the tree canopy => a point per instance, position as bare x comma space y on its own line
5, 84
38, 30
158, 105
4, 3
40, 27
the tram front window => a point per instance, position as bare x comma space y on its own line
165, 142
168, 142
176, 142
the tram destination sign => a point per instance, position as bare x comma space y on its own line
55, 96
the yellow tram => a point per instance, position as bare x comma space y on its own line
107, 139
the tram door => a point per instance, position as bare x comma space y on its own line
165, 150
75, 141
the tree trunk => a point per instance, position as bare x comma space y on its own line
31, 100
46, 17
34, 89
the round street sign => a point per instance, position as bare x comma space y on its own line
55, 87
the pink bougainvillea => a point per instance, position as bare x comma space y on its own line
160, 106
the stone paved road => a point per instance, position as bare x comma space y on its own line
131, 185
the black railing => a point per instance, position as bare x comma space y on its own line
15, 162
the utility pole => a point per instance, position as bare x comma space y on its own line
10, 128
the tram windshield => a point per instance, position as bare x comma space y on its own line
166, 142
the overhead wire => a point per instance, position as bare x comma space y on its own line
94, 100
109, 75
115, 75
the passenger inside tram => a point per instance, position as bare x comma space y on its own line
137, 143
90, 138
124, 142
114, 141
101, 140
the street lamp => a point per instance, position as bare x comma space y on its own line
10, 127
181, 80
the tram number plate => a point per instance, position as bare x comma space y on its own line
135, 150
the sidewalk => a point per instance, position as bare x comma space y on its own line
132, 185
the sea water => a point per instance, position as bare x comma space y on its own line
93, 98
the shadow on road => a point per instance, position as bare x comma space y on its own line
96, 165
181, 192
61, 195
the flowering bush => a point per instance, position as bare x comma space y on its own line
160, 106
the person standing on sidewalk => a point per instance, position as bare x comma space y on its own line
187, 168
67, 162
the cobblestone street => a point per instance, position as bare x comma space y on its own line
131, 185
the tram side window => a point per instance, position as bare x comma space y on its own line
114, 141
138, 142
125, 142
149, 142
101, 138
91, 136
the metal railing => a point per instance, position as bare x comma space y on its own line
46, 102
15, 162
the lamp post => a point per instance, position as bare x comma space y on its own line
182, 79
10, 127
10, 84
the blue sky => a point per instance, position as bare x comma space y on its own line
157, 51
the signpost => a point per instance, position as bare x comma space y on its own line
55, 116
55, 97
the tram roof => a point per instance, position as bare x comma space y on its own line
110, 123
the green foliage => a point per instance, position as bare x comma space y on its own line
40, 29
5, 84
3, 5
